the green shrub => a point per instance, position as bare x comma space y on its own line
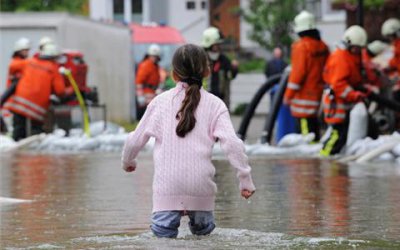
252, 65
240, 109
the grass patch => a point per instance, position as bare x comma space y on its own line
254, 65
240, 109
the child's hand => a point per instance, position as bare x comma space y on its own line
246, 193
129, 168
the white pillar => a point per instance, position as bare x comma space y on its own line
146, 11
127, 11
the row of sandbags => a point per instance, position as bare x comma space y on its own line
111, 138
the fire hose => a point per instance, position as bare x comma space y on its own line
78, 94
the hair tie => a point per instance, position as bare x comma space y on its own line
193, 80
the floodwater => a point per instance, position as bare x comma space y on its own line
86, 201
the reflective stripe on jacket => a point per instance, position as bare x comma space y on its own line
305, 84
40, 79
342, 73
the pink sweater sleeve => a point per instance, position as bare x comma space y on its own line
139, 137
234, 150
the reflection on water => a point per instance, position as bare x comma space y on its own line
86, 200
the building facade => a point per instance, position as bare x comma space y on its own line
191, 17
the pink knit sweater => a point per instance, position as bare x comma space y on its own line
183, 171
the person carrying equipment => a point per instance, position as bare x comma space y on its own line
31, 100
147, 79
391, 30
342, 73
222, 69
305, 84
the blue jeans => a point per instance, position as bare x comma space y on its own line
166, 223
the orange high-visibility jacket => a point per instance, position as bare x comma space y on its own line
148, 76
395, 61
32, 96
15, 69
342, 73
370, 69
305, 84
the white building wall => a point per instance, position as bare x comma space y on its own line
101, 9
331, 32
332, 23
106, 49
191, 23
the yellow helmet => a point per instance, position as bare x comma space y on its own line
355, 35
304, 21
390, 27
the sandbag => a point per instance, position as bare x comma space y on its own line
358, 125
291, 140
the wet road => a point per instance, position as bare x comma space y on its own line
82, 201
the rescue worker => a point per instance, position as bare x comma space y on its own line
42, 42
31, 100
372, 71
305, 83
147, 79
391, 30
15, 70
342, 73
18, 61
222, 69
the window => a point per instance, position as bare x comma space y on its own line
136, 6
137, 9
216, 3
203, 5
118, 7
313, 6
190, 5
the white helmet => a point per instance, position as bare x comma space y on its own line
21, 44
376, 47
211, 36
49, 50
390, 27
355, 35
154, 50
304, 21
45, 40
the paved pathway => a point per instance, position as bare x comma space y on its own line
243, 88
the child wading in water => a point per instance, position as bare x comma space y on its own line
186, 121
